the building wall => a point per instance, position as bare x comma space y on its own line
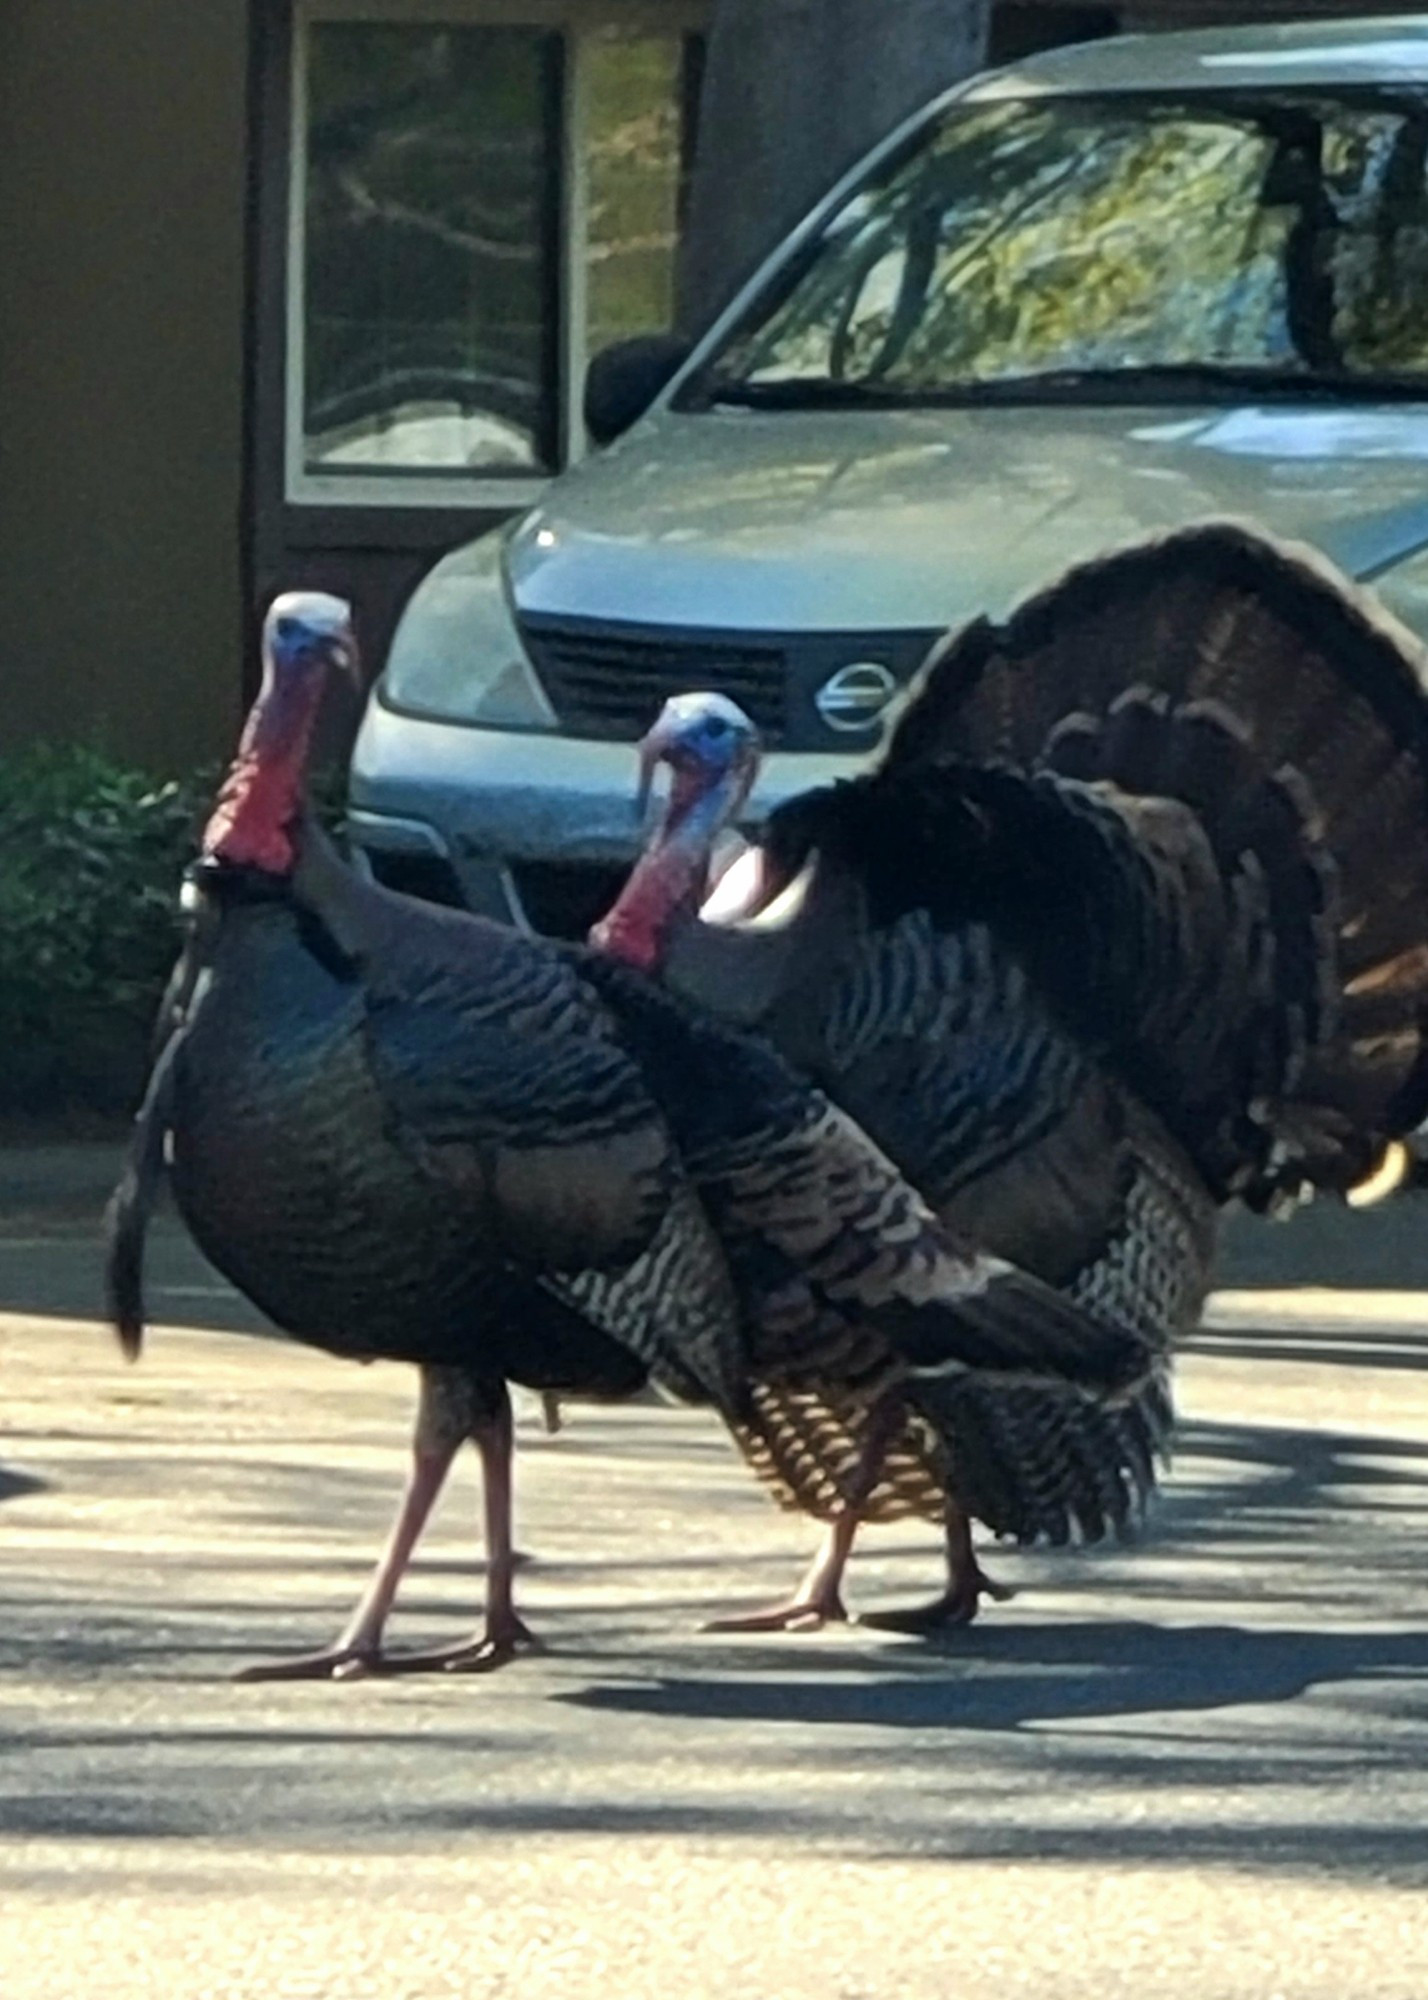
121, 372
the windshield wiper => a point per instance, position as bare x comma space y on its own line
1165, 382
804, 393
1177, 381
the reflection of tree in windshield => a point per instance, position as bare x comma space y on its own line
1283, 233
1375, 167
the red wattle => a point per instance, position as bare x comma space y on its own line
250, 826
252, 823
664, 881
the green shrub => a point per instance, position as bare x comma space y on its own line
90, 860
91, 857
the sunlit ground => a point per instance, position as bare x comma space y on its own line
1196, 1767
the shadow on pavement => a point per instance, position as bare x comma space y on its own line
1022, 1676
1241, 1703
1333, 1346
14, 1485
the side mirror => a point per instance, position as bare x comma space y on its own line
622, 381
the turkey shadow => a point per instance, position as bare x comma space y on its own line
1020, 1676
16, 1485
1351, 1511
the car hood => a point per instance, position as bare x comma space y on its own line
878, 520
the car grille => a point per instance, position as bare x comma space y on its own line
610, 682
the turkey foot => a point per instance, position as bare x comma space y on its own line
358, 1647
967, 1584
482, 1655
335, 1662
357, 1652
793, 1614
506, 1633
818, 1600
494, 1649
958, 1605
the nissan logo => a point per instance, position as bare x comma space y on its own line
856, 695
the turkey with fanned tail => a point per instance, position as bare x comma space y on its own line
407, 1132
1130, 919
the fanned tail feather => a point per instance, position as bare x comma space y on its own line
1039, 1465
1189, 780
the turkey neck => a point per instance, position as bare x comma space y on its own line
255, 819
669, 879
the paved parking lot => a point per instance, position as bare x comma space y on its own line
1198, 1767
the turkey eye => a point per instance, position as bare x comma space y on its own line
287, 630
715, 727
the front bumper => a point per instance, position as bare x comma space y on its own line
528, 828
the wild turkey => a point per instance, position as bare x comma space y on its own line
407, 1132
303, 1145
1130, 919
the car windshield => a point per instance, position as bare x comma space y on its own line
1126, 247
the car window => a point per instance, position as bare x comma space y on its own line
1051, 239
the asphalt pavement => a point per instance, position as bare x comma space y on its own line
1197, 1766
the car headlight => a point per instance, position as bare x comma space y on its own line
456, 653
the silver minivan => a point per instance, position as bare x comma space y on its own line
1113, 289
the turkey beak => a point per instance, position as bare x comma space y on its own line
345, 656
651, 754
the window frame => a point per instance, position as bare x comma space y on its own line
576, 27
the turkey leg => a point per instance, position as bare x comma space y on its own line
505, 1632
967, 1584
358, 1647
818, 1599
451, 1408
